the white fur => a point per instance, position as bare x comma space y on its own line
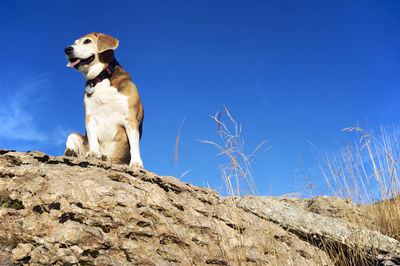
85, 50
134, 136
75, 143
94, 146
82, 50
93, 71
107, 109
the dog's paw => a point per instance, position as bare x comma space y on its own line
70, 152
105, 158
93, 155
136, 163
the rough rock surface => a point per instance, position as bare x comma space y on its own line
63, 211
303, 217
335, 207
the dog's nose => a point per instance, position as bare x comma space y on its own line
68, 50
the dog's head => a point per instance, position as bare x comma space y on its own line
91, 53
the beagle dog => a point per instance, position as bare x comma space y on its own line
114, 112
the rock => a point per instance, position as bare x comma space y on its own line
335, 207
68, 210
388, 259
301, 217
21, 251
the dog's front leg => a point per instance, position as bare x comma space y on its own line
133, 137
94, 147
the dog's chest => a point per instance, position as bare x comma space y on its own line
108, 108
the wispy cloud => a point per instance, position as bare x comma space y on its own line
17, 114
16, 121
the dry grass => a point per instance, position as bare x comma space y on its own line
386, 217
367, 171
178, 136
235, 165
236, 171
176, 155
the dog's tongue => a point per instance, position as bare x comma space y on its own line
75, 63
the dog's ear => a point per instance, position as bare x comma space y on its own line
106, 42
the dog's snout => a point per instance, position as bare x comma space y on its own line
68, 50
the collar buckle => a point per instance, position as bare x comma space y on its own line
90, 86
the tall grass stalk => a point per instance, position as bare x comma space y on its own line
367, 171
237, 173
235, 165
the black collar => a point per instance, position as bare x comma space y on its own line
106, 73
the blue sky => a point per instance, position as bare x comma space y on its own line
291, 72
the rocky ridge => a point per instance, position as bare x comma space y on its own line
338, 228
71, 211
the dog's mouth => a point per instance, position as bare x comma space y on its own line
77, 62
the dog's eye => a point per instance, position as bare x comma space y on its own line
87, 41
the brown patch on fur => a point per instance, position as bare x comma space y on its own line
121, 80
123, 156
94, 36
106, 42
106, 57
